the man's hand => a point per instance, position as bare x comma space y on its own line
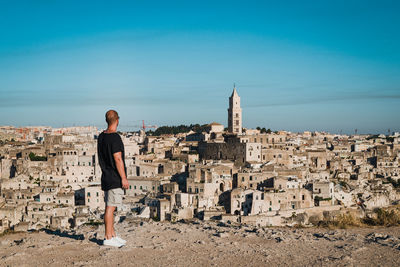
125, 183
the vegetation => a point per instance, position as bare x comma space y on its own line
318, 198
94, 223
396, 184
380, 217
192, 127
342, 221
9, 232
178, 129
263, 130
34, 157
384, 218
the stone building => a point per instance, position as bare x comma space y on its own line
90, 196
231, 149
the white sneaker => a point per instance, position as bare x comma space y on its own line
113, 242
120, 240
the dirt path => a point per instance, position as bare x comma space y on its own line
204, 244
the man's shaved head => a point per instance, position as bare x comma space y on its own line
111, 116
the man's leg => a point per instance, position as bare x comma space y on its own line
113, 230
109, 222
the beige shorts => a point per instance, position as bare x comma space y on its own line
113, 197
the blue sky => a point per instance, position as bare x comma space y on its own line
297, 65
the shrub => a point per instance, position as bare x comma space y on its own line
34, 157
383, 218
94, 223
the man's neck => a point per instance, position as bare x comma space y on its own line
111, 129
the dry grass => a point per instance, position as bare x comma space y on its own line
379, 217
384, 217
342, 221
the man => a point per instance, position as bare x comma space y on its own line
113, 179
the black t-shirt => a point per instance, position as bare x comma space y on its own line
107, 145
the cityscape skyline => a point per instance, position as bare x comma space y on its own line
297, 66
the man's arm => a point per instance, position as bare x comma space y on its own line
119, 163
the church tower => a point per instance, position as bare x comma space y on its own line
234, 113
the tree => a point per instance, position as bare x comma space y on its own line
34, 157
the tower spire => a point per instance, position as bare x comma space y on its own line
234, 92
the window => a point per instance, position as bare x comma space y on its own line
97, 194
303, 197
88, 194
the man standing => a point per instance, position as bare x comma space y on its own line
113, 179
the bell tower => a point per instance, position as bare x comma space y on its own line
234, 113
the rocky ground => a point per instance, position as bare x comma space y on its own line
204, 244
